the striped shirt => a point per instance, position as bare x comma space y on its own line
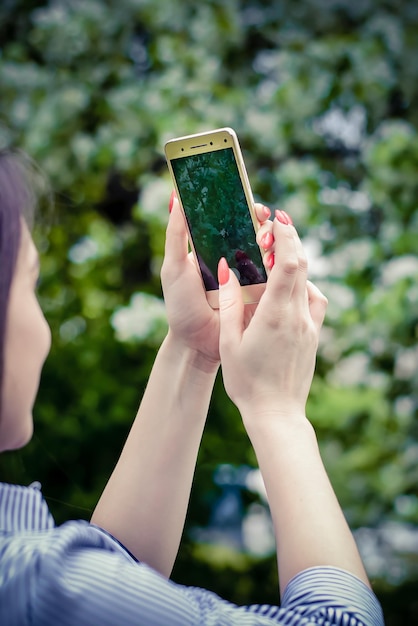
77, 574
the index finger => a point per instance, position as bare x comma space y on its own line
176, 247
302, 275
283, 276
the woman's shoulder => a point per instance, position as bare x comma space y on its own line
26, 524
23, 509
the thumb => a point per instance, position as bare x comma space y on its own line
231, 308
176, 248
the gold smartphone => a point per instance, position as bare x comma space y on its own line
214, 193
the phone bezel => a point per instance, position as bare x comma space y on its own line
211, 141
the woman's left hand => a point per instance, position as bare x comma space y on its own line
191, 319
268, 366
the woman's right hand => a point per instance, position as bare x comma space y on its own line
268, 366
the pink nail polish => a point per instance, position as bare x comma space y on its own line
172, 197
281, 216
270, 261
267, 241
223, 271
266, 211
289, 219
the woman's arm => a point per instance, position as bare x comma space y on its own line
267, 372
309, 524
145, 501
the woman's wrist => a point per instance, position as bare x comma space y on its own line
280, 424
270, 405
177, 349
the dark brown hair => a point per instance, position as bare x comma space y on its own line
16, 202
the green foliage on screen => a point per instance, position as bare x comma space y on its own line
218, 216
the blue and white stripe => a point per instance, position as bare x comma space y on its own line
76, 574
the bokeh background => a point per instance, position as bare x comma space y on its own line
323, 95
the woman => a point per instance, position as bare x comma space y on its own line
115, 569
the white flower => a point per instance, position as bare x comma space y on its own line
143, 319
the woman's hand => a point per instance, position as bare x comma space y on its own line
267, 369
191, 319
268, 366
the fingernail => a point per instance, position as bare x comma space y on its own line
270, 261
173, 195
289, 219
282, 217
267, 241
266, 211
223, 271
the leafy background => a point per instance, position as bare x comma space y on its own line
324, 97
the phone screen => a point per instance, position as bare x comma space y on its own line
218, 217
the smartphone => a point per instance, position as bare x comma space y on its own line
214, 193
